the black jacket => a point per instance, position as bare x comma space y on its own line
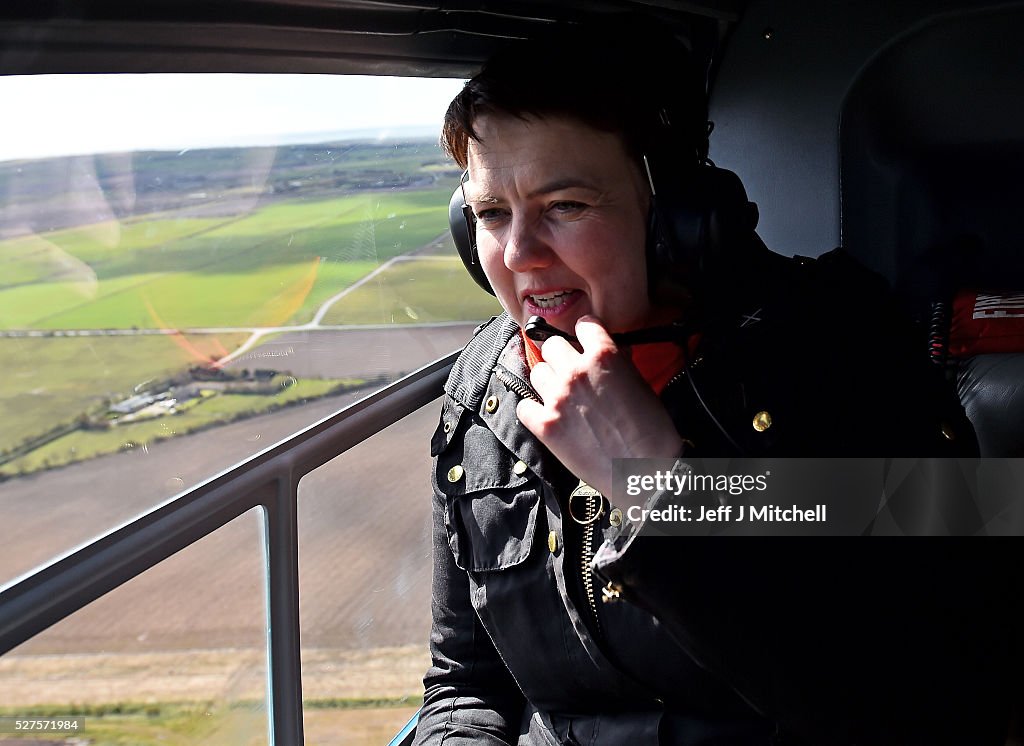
523, 648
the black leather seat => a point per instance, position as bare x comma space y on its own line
991, 388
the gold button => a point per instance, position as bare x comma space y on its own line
519, 467
491, 404
455, 473
762, 421
553, 542
447, 427
615, 517
948, 432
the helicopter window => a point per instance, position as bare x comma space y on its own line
195, 267
175, 655
193, 292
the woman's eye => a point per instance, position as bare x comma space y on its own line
567, 207
490, 215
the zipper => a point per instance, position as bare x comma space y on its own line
674, 379
515, 384
587, 555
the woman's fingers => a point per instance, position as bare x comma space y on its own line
596, 406
592, 334
559, 353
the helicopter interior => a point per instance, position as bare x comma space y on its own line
891, 130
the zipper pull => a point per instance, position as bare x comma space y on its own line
587, 493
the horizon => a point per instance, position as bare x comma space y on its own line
198, 111
344, 137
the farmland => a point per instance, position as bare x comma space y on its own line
241, 237
421, 290
268, 268
210, 247
51, 381
218, 409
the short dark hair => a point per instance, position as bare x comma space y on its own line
634, 80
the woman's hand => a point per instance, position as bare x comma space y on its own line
596, 407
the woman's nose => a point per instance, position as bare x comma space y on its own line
526, 248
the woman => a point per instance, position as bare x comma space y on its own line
563, 144
523, 650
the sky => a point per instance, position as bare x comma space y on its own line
50, 115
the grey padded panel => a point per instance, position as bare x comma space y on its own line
932, 152
776, 105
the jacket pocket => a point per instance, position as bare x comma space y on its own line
491, 503
492, 529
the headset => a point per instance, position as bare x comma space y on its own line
693, 224
462, 223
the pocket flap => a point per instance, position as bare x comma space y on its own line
493, 529
476, 461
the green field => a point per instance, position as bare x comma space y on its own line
49, 381
154, 724
416, 291
196, 414
271, 267
356, 723
71, 254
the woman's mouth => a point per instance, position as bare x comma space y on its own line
551, 300
552, 303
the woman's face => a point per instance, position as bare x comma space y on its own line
561, 221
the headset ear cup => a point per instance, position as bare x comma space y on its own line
695, 226
670, 274
462, 224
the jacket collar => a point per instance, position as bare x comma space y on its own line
468, 380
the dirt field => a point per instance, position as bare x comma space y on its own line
192, 628
356, 353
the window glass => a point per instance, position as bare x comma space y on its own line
364, 585
175, 656
200, 267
